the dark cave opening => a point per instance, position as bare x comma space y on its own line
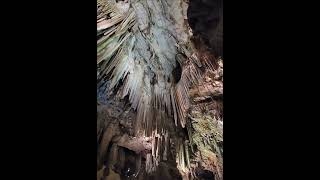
177, 72
205, 18
205, 174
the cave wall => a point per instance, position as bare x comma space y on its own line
195, 143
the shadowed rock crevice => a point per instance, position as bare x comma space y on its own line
205, 17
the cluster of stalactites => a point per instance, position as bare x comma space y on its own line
142, 55
183, 159
159, 151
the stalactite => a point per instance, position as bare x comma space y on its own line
166, 144
186, 145
139, 43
